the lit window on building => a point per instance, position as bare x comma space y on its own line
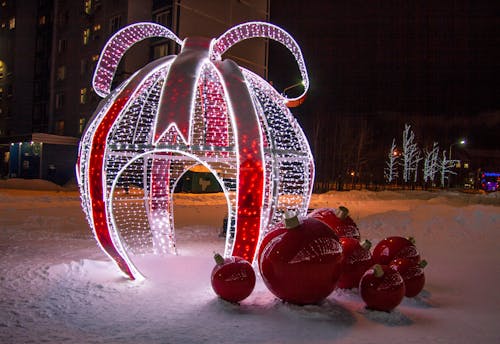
95, 58
12, 23
59, 100
163, 18
83, 95
61, 73
4, 25
81, 125
59, 127
97, 29
115, 23
4, 3
61, 45
86, 36
42, 20
160, 50
87, 6
2, 69
466, 165
1, 93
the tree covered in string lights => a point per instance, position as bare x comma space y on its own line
410, 156
408, 161
431, 164
391, 170
445, 168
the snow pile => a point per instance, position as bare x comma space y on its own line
29, 184
58, 287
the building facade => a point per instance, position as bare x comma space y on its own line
49, 50
82, 32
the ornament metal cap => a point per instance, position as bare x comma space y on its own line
342, 212
291, 220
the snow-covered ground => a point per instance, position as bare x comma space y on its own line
58, 287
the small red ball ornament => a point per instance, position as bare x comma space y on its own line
382, 288
356, 259
338, 220
300, 261
413, 275
395, 247
233, 278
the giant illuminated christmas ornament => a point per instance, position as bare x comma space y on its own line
178, 112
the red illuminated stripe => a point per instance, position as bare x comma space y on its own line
96, 187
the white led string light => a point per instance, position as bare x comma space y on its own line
116, 47
264, 30
140, 172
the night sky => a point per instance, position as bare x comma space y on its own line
426, 58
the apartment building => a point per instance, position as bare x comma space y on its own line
49, 50
80, 34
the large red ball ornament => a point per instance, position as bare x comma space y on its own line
338, 220
233, 278
300, 261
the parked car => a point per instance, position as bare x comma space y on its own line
490, 181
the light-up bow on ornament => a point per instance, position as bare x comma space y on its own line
178, 112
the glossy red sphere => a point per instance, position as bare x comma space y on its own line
395, 247
301, 265
275, 231
342, 226
413, 275
234, 279
382, 292
356, 259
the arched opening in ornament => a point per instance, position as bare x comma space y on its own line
128, 198
200, 212
150, 220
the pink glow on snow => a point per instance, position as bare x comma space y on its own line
57, 286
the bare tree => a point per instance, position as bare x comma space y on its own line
431, 165
445, 168
364, 139
340, 145
411, 155
391, 171
415, 169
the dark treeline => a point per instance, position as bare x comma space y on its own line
376, 66
353, 148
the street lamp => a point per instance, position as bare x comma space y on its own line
461, 142
352, 179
